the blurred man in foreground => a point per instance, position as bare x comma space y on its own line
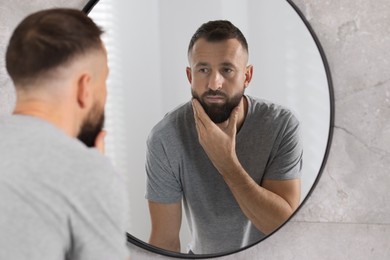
59, 198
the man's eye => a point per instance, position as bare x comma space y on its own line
227, 70
203, 70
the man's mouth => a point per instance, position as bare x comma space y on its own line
214, 99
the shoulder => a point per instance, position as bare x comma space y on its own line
94, 186
172, 123
270, 111
91, 180
70, 160
89, 165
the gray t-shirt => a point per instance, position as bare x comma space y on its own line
58, 199
267, 145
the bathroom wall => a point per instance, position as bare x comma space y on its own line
348, 214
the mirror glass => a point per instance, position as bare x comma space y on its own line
147, 43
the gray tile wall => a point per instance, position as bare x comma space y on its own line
348, 214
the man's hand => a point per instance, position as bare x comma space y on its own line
267, 206
218, 141
99, 141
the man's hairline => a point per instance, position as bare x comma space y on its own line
217, 41
51, 74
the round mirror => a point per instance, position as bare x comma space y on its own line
147, 43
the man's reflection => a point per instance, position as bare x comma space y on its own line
232, 159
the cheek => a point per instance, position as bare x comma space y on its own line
104, 95
198, 83
240, 80
100, 101
102, 92
98, 110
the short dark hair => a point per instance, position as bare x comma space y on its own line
47, 39
218, 30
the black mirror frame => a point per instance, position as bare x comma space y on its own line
137, 242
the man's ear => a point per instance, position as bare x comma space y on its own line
84, 92
248, 75
189, 75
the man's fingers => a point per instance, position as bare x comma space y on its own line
232, 126
99, 141
200, 114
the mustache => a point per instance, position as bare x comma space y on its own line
211, 92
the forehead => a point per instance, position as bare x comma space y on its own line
229, 50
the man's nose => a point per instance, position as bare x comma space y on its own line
216, 81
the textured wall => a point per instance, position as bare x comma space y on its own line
348, 214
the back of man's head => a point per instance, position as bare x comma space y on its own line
49, 39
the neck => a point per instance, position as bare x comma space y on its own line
243, 112
53, 114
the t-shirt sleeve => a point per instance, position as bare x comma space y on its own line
286, 160
162, 185
100, 215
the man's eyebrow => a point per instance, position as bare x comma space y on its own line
227, 64
223, 64
201, 64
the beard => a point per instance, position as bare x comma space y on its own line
91, 127
218, 113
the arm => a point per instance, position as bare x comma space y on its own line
166, 222
98, 223
99, 145
266, 206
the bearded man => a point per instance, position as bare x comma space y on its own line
60, 199
233, 160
